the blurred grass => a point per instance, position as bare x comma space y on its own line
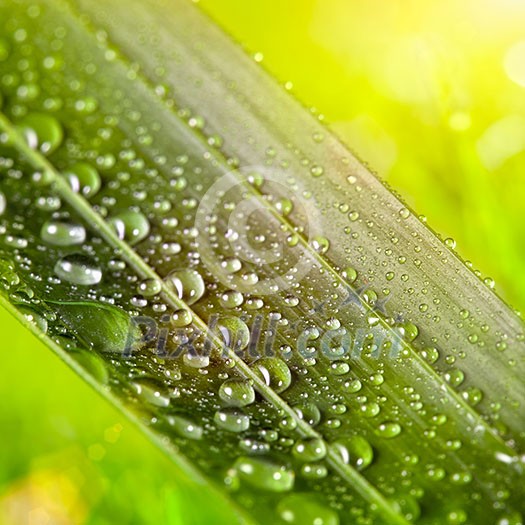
429, 94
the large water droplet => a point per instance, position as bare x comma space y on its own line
78, 269
388, 429
63, 233
235, 333
151, 391
42, 132
309, 450
232, 420
185, 428
265, 475
274, 372
187, 283
131, 226
237, 392
355, 451
83, 178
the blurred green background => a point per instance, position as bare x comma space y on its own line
430, 94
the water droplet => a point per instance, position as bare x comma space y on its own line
355, 451
450, 243
231, 265
231, 299
194, 360
456, 517
181, 318
131, 226
320, 244
187, 283
309, 450
149, 287
78, 269
83, 178
235, 333
42, 132
308, 412
274, 372
185, 428
63, 233
232, 420
151, 392
99, 326
454, 377
3, 203
34, 317
404, 213
236, 392
254, 447
349, 274
316, 171
314, 471
304, 509
265, 475
388, 429
407, 506
370, 409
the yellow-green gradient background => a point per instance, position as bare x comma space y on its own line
430, 93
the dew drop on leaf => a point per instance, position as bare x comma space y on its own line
42, 132
84, 179
303, 509
62, 233
388, 429
237, 392
231, 420
185, 427
130, 226
355, 451
234, 331
77, 268
187, 283
309, 450
274, 372
151, 392
265, 475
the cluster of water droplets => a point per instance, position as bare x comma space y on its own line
278, 409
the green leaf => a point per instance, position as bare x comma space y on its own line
205, 252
